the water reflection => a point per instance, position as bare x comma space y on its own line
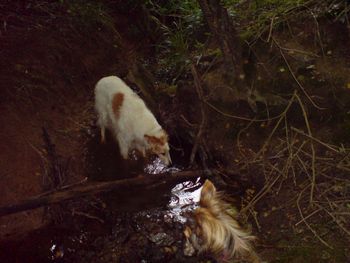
185, 197
156, 166
57, 251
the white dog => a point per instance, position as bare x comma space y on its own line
125, 114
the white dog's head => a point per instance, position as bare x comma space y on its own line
158, 144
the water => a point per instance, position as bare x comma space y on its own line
151, 211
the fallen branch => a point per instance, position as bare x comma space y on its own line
85, 189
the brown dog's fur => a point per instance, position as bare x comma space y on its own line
214, 228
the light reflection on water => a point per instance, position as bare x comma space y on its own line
184, 196
157, 166
57, 252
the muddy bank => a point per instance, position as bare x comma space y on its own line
122, 226
284, 138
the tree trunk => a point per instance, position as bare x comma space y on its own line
221, 26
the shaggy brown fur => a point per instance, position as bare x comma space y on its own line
216, 230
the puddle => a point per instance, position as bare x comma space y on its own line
141, 220
161, 225
184, 198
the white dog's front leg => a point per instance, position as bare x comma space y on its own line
123, 147
139, 146
143, 151
103, 134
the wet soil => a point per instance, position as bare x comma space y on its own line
47, 78
139, 229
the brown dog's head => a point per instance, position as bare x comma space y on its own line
158, 145
213, 228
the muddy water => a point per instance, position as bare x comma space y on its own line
150, 218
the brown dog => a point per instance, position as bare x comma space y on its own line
213, 228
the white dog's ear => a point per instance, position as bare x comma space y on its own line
153, 140
149, 139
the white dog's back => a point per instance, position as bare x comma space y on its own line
123, 106
122, 111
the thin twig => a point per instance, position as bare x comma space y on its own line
74, 212
253, 213
313, 168
295, 78
306, 223
335, 219
240, 117
308, 216
329, 146
271, 27
187, 121
283, 115
267, 187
